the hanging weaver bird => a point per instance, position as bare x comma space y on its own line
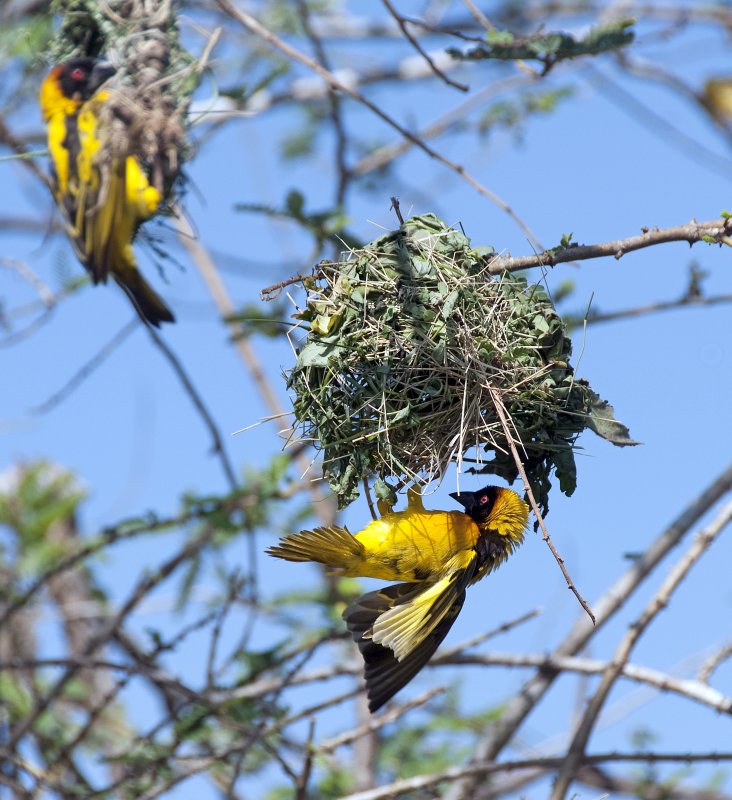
103, 205
436, 555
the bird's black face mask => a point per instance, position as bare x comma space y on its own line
81, 77
478, 504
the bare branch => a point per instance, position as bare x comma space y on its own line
653, 308
709, 666
714, 231
485, 768
404, 27
659, 601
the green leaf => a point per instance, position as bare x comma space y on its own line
602, 421
551, 47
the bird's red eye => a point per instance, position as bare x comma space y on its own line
78, 74
484, 499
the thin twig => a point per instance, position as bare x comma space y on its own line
273, 292
711, 664
444, 655
81, 375
485, 768
402, 23
336, 110
369, 500
218, 445
301, 785
498, 404
377, 723
396, 209
653, 308
207, 267
381, 156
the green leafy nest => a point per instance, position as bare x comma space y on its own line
410, 342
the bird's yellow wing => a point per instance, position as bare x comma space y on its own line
332, 546
399, 627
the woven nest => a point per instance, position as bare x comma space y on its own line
411, 343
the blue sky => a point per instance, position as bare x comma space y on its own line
590, 168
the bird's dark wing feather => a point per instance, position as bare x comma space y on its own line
385, 674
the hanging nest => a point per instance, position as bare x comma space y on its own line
411, 343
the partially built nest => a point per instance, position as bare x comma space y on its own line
411, 343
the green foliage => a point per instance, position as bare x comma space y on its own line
27, 39
512, 113
549, 48
40, 495
325, 227
15, 698
252, 319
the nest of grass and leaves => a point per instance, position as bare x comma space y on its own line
411, 344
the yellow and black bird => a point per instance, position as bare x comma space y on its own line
436, 555
103, 204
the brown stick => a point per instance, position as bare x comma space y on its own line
716, 229
532, 500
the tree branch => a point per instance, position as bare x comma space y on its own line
713, 231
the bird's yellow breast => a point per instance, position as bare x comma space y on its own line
415, 545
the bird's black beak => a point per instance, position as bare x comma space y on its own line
466, 499
101, 72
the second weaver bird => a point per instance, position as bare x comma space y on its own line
103, 205
435, 554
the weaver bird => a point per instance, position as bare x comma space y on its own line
436, 555
103, 205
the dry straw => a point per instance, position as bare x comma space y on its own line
407, 341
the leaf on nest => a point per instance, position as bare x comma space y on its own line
602, 421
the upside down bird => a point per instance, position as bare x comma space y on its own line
436, 555
103, 204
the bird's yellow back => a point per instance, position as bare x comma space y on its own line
415, 545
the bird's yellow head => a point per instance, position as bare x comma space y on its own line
494, 508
